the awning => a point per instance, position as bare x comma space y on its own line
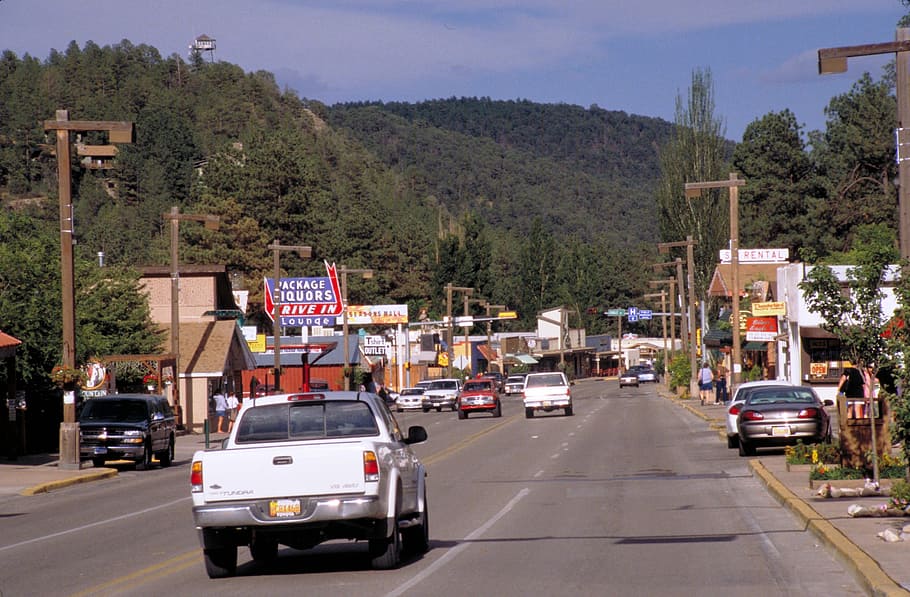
755, 346
524, 359
487, 352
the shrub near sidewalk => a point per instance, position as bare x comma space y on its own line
680, 372
813, 453
890, 467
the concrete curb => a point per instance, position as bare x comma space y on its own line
74, 480
876, 581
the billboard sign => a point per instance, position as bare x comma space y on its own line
761, 329
305, 301
377, 314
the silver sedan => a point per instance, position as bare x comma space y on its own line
735, 405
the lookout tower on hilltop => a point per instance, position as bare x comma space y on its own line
201, 44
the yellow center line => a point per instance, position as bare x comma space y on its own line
172, 565
434, 458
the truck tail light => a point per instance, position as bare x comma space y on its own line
370, 466
196, 477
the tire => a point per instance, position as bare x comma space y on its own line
439, 409
264, 551
732, 441
497, 412
453, 408
146, 462
426, 410
462, 414
529, 413
746, 449
416, 540
569, 411
220, 562
167, 457
97, 462
385, 553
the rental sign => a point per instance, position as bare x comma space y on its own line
305, 301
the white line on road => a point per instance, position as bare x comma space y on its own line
94, 524
426, 572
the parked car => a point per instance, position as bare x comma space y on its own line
409, 399
547, 392
127, 427
781, 416
628, 378
479, 395
735, 405
645, 373
514, 384
441, 393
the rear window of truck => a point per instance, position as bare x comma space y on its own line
314, 420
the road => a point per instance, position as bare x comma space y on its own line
631, 496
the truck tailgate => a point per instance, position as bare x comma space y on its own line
303, 469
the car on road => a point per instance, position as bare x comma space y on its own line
441, 393
479, 395
547, 392
409, 399
782, 416
497, 377
735, 405
645, 373
127, 427
514, 384
628, 378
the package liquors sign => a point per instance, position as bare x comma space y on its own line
305, 301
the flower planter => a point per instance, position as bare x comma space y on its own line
799, 468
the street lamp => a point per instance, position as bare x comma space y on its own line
344, 271
211, 223
276, 248
694, 189
834, 60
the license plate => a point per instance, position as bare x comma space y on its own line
100, 451
780, 431
284, 508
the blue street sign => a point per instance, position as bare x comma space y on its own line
645, 313
632, 313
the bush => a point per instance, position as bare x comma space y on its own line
813, 453
900, 494
680, 371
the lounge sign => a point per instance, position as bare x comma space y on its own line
305, 301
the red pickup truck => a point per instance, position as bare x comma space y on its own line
479, 395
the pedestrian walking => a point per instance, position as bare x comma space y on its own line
221, 407
720, 384
233, 404
705, 383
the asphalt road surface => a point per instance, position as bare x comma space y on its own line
631, 496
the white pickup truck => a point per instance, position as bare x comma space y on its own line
546, 392
300, 469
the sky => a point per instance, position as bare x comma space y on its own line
633, 56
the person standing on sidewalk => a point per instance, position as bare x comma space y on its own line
705, 383
720, 384
221, 407
233, 404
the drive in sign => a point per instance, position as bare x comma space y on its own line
305, 301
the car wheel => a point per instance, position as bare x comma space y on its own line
264, 551
497, 412
529, 413
462, 414
97, 462
569, 412
401, 410
439, 409
453, 408
732, 441
146, 462
426, 410
220, 562
385, 552
416, 539
167, 457
746, 449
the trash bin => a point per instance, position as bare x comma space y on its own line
856, 429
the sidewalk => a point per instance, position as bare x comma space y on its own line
881, 566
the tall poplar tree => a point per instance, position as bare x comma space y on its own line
696, 153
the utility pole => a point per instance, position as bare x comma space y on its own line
687, 317
276, 248
451, 324
118, 132
694, 189
344, 271
211, 222
488, 308
663, 320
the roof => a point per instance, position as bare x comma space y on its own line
210, 348
748, 273
8, 345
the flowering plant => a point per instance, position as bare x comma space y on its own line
150, 379
63, 375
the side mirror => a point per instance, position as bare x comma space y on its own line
828, 402
416, 435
